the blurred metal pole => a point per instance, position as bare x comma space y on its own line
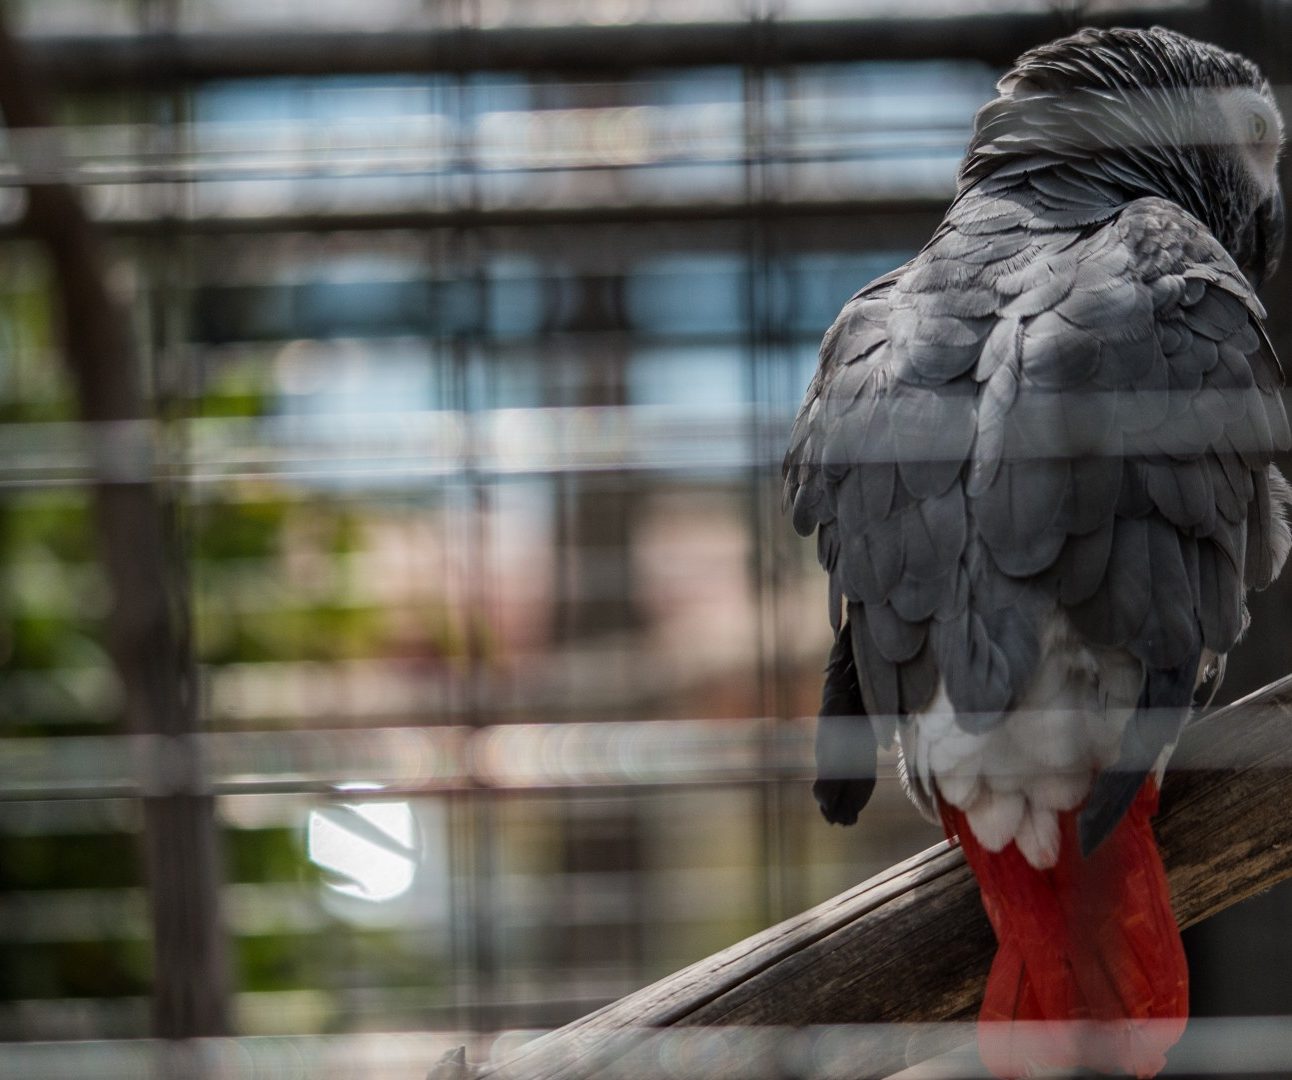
190, 971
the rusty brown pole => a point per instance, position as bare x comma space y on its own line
145, 629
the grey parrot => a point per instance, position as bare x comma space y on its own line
1037, 460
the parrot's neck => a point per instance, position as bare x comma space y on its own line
1108, 184
1083, 138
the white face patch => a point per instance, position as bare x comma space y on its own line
1253, 125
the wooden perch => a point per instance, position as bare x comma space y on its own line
913, 944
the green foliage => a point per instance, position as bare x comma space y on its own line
51, 606
90, 969
262, 855
349, 960
72, 861
34, 387
320, 632
49, 524
250, 608
238, 387
279, 962
238, 530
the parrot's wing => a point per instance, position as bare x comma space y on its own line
1190, 416
1154, 379
842, 480
852, 354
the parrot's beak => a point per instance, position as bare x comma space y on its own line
1270, 225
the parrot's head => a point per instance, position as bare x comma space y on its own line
1132, 113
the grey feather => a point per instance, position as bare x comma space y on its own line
933, 534
1163, 708
896, 639
917, 600
917, 682
1133, 500
1019, 515
1117, 610
878, 487
879, 683
846, 749
1260, 554
1058, 355
1182, 491
1277, 420
1170, 632
933, 431
1090, 501
974, 668
1220, 601
1231, 485
1084, 562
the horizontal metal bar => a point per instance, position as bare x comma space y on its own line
893, 218
427, 146
452, 445
383, 1056
406, 761
1227, 1047
1211, 1047
410, 761
159, 59
445, 444
519, 899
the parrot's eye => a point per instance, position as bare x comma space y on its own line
1257, 127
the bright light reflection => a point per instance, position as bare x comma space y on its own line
368, 846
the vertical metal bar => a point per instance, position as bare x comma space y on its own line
467, 258
147, 640
758, 346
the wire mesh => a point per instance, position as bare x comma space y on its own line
466, 393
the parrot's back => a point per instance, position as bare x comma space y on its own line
1037, 459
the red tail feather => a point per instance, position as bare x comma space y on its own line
1091, 939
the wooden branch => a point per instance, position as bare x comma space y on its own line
190, 970
913, 944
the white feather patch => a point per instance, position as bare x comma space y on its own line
1038, 837
1041, 759
960, 789
1060, 791
995, 819
1281, 500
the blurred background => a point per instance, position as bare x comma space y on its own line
465, 336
